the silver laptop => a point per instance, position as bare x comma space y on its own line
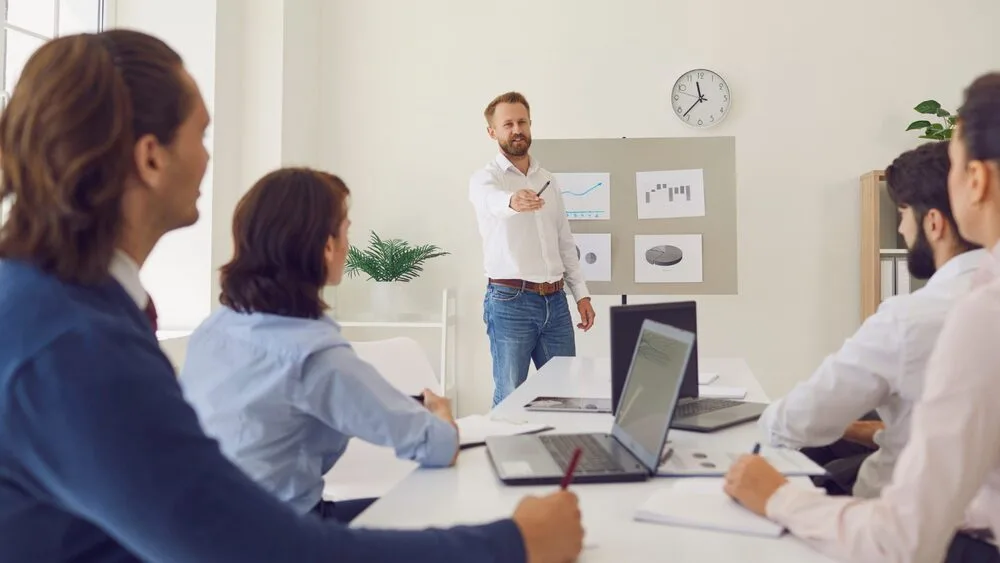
631, 452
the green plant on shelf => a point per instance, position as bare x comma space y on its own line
941, 129
390, 260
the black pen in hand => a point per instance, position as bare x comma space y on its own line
543, 188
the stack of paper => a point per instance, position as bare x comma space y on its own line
697, 462
701, 503
474, 429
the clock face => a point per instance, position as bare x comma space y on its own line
700, 98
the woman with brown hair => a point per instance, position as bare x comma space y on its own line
271, 376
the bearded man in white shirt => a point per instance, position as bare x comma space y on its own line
528, 250
882, 365
948, 474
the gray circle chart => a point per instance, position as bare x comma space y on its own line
664, 255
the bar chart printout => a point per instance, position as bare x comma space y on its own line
667, 194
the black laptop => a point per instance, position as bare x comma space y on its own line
631, 452
693, 413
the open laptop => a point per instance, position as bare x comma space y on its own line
693, 413
631, 452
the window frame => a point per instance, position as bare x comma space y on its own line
106, 13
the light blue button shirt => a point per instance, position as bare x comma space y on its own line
283, 396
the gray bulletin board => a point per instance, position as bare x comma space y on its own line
622, 159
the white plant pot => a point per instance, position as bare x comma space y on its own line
387, 299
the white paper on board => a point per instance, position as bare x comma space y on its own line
594, 251
668, 194
586, 195
668, 259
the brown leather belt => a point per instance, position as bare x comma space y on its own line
544, 288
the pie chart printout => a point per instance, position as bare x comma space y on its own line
668, 259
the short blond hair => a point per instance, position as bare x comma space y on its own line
505, 98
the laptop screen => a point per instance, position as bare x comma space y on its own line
651, 391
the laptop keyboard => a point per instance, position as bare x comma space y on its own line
702, 406
595, 459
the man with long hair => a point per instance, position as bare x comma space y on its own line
101, 459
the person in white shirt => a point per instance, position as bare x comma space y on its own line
947, 478
882, 365
528, 250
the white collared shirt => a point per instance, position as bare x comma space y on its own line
126, 272
948, 474
880, 367
535, 246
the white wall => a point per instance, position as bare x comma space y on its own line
178, 272
404, 85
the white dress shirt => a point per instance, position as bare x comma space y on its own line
948, 474
880, 367
126, 272
536, 246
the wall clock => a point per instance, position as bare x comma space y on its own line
700, 98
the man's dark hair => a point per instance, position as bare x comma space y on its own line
280, 230
67, 145
918, 179
980, 118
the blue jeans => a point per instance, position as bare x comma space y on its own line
522, 326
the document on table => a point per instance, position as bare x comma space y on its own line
697, 462
474, 429
701, 503
720, 392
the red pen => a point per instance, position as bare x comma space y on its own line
571, 468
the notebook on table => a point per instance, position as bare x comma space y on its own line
702, 504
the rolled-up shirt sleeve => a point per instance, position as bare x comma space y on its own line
349, 395
953, 447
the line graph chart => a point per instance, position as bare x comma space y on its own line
586, 195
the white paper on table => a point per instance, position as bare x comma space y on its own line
586, 195
594, 251
718, 392
710, 462
668, 194
474, 429
668, 259
707, 377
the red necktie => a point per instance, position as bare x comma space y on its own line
151, 313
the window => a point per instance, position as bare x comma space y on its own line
27, 24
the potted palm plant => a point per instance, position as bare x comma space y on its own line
390, 263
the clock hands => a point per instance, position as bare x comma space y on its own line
696, 102
701, 98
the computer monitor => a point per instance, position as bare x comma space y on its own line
626, 323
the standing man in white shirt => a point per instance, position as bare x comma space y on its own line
948, 475
529, 252
882, 365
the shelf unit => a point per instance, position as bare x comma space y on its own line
880, 238
441, 322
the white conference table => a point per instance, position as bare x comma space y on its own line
470, 492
